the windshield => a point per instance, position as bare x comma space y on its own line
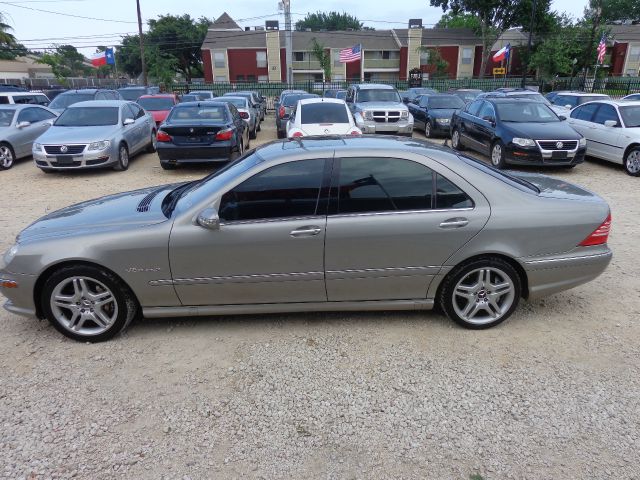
88, 117
324, 113
238, 102
190, 113
291, 100
445, 102
524, 112
132, 94
65, 99
156, 104
386, 95
631, 115
6, 117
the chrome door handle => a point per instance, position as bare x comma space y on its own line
454, 223
309, 231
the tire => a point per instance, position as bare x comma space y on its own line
456, 144
281, 134
632, 162
7, 156
123, 158
168, 166
93, 304
427, 129
47, 170
254, 133
497, 155
153, 146
259, 127
468, 297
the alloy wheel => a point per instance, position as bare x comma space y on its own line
496, 154
83, 305
6, 157
455, 139
154, 141
483, 296
427, 129
632, 163
124, 156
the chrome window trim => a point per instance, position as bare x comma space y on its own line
401, 212
270, 220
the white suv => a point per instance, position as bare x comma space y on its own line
33, 98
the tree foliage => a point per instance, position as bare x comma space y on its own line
613, 10
330, 21
66, 61
9, 47
323, 56
461, 20
438, 65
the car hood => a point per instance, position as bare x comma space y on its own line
56, 134
123, 210
382, 106
442, 112
543, 131
556, 188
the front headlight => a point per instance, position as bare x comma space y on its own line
582, 142
37, 147
9, 254
367, 115
524, 142
444, 121
103, 145
404, 114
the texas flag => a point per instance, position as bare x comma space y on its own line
103, 58
502, 54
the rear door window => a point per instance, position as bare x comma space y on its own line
585, 112
606, 112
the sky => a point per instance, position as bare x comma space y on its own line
114, 18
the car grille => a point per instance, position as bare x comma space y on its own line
555, 144
57, 149
386, 117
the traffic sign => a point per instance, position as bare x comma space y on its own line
499, 71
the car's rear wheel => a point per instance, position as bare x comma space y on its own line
497, 155
632, 162
87, 303
168, 166
123, 158
7, 156
455, 140
254, 133
153, 145
427, 129
481, 293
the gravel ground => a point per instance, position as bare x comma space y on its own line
553, 393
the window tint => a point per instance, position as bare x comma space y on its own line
40, 114
584, 112
88, 117
128, 112
474, 107
604, 113
24, 99
631, 116
28, 115
382, 184
137, 111
4, 100
564, 100
324, 113
486, 110
287, 190
449, 196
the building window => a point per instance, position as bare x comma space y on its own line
390, 54
298, 56
317, 77
466, 56
424, 57
634, 54
239, 78
261, 59
218, 59
367, 76
337, 78
220, 78
251, 78
263, 78
336, 58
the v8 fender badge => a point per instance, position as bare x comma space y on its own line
142, 269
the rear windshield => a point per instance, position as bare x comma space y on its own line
189, 98
324, 113
342, 94
291, 100
238, 102
631, 115
190, 113
524, 112
88, 117
6, 117
516, 182
445, 102
65, 99
382, 95
536, 97
156, 104
467, 96
132, 94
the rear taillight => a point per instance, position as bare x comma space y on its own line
297, 134
244, 115
355, 132
281, 112
224, 134
163, 136
600, 235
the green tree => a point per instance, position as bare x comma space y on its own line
9, 47
66, 61
495, 17
613, 10
460, 20
439, 66
330, 21
128, 56
323, 56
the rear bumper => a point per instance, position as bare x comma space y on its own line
219, 152
555, 274
534, 156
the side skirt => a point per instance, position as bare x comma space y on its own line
204, 310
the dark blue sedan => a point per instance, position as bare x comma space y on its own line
432, 113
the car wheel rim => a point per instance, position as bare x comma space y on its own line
154, 141
84, 306
6, 157
455, 139
496, 155
427, 130
483, 296
633, 162
124, 156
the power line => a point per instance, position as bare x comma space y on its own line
65, 14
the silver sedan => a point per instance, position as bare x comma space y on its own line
96, 134
362, 223
20, 125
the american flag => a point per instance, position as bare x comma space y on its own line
352, 54
602, 49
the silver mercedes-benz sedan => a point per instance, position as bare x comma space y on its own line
96, 134
360, 223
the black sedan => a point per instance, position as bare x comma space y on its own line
517, 131
432, 113
411, 93
196, 132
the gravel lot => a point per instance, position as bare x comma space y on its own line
553, 393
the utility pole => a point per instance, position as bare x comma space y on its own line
588, 52
144, 64
532, 24
288, 40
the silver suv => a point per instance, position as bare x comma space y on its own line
379, 109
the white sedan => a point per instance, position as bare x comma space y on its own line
321, 116
612, 130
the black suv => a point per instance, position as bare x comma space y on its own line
517, 131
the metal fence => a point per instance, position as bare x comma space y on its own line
615, 87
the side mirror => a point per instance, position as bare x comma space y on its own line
208, 218
23, 124
128, 121
568, 106
610, 123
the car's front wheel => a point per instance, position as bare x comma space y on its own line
455, 140
153, 144
427, 129
498, 155
7, 157
123, 158
632, 162
481, 293
87, 303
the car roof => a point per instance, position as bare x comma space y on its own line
4, 94
306, 101
371, 86
100, 103
497, 99
137, 87
584, 94
21, 106
617, 103
200, 91
228, 97
158, 95
205, 103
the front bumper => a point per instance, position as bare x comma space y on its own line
20, 300
517, 155
401, 127
218, 152
441, 128
85, 160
